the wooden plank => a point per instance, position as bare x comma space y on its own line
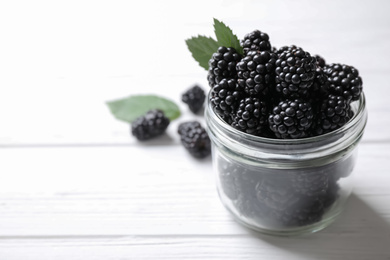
150, 191
323, 245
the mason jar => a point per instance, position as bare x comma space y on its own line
285, 186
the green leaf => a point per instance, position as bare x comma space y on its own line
202, 48
226, 37
129, 108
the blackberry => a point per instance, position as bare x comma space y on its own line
310, 183
256, 41
344, 81
291, 119
310, 211
295, 71
320, 87
277, 194
194, 97
251, 116
222, 65
320, 61
256, 72
334, 112
152, 124
237, 181
225, 97
228, 175
332, 193
287, 48
195, 139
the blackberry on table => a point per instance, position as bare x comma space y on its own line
295, 71
222, 65
251, 116
344, 81
152, 124
291, 119
256, 72
194, 98
333, 113
256, 41
225, 97
195, 139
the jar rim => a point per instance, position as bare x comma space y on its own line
357, 117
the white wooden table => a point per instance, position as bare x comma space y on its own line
75, 185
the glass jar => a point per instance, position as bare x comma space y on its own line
285, 186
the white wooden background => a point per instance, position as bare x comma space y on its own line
75, 185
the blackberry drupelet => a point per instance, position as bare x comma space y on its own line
195, 139
333, 113
251, 116
291, 119
295, 71
152, 124
256, 72
344, 81
225, 97
256, 41
222, 65
194, 98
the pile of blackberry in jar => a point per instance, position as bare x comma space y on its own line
281, 93
284, 93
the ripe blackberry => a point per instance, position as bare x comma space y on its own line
194, 98
320, 61
195, 139
310, 211
256, 41
237, 181
295, 71
152, 124
251, 116
222, 65
291, 119
344, 81
287, 48
277, 194
334, 112
310, 183
320, 87
228, 175
256, 72
225, 97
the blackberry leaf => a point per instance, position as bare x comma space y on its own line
226, 37
202, 48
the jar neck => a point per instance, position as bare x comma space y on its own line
334, 143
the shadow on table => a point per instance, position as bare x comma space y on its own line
346, 237
162, 140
